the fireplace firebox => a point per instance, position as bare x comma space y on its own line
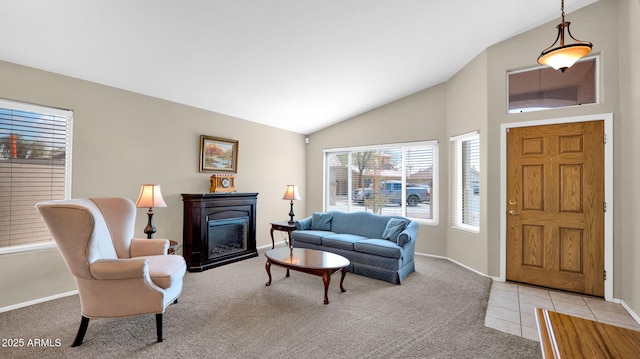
218, 228
227, 236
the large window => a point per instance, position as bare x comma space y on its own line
465, 184
35, 166
398, 179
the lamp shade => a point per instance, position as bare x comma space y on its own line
291, 193
564, 57
150, 196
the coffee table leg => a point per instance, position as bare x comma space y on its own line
344, 272
326, 278
268, 267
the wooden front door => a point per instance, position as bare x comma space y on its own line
555, 206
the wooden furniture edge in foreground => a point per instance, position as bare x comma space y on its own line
566, 336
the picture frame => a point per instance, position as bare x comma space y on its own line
218, 154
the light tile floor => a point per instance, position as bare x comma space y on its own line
511, 308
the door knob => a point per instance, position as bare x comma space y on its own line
513, 213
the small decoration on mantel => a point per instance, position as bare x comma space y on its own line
222, 183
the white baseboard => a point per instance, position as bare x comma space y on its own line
630, 311
454, 261
276, 244
74, 292
39, 300
498, 279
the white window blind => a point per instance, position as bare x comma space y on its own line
35, 166
421, 171
465, 184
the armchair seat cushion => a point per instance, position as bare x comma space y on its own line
166, 270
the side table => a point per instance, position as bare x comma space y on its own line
283, 226
173, 245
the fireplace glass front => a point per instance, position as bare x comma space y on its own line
227, 236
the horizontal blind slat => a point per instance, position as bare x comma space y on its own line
33, 169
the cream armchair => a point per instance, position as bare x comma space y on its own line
117, 275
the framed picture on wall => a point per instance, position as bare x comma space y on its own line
218, 154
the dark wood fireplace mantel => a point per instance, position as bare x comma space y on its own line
203, 209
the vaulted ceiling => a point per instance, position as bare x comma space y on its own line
300, 65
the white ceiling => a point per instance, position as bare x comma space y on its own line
300, 65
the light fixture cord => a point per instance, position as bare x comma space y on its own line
562, 9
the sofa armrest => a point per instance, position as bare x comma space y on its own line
409, 234
303, 224
110, 269
148, 247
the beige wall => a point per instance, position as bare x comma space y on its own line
418, 117
110, 157
121, 140
475, 100
467, 112
627, 211
596, 23
31, 276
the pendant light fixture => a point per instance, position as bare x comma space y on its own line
564, 56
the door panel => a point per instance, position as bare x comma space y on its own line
555, 213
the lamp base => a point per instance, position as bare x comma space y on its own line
150, 229
291, 214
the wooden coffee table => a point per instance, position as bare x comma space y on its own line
310, 261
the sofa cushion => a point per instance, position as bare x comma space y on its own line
394, 227
321, 221
310, 236
360, 223
342, 241
379, 247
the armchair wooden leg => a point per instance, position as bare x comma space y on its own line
159, 326
84, 324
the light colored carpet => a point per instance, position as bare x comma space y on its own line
228, 312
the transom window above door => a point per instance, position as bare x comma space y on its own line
543, 88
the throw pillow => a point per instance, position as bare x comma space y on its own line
393, 229
321, 221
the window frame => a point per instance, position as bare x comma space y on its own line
50, 111
596, 84
403, 147
457, 185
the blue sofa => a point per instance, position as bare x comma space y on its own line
380, 247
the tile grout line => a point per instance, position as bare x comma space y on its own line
590, 310
519, 308
545, 294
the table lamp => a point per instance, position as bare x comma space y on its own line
150, 196
291, 193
